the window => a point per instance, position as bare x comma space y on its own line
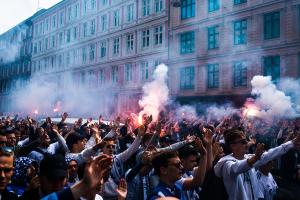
213, 5
187, 9
213, 37
104, 2
68, 39
60, 60
101, 77
239, 74
40, 46
146, 7
68, 57
69, 14
130, 13
52, 41
158, 35
35, 48
128, 72
187, 42
60, 38
114, 74
129, 42
240, 31
187, 76
272, 67
144, 71
146, 38
272, 25
158, 5
116, 48
93, 4
61, 18
116, 18
93, 26
103, 22
47, 25
46, 44
75, 33
85, 6
83, 55
236, 2
212, 75
84, 31
76, 11
103, 49
92, 52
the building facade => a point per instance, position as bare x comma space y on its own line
217, 46
101, 45
213, 47
15, 62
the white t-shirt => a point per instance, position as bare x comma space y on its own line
267, 185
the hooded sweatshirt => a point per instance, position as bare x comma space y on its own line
240, 179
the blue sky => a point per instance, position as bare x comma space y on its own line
13, 12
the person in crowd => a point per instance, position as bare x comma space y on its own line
267, 184
25, 169
117, 171
46, 147
237, 168
169, 168
6, 172
72, 171
52, 177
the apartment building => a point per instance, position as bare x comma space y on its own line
107, 44
217, 46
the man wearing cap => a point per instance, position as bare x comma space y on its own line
52, 177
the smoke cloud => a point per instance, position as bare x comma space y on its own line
270, 101
215, 112
50, 98
155, 93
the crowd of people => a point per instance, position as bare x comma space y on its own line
234, 158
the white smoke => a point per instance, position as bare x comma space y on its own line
50, 98
291, 87
155, 93
186, 112
270, 101
215, 112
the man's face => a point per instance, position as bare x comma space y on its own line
189, 163
11, 140
239, 146
45, 140
173, 170
6, 170
72, 169
80, 144
48, 186
3, 140
109, 148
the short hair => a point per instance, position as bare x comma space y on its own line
232, 134
107, 140
162, 159
187, 151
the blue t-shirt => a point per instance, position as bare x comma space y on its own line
162, 190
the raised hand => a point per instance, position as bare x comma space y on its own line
260, 149
190, 138
208, 136
142, 130
199, 145
122, 189
95, 170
